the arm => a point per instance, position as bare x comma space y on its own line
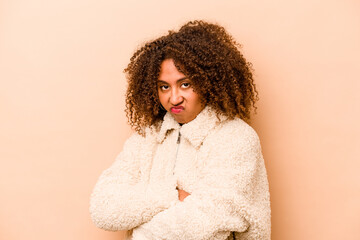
221, 201
120, 200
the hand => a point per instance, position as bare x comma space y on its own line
182, 194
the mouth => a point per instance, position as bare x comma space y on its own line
177, 109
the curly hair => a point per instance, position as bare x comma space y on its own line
206, 54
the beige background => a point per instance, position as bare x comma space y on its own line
62, 100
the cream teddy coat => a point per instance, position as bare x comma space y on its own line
218, 161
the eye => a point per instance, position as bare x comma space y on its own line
185, 85
164, 87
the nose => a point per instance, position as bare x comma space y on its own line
176, 97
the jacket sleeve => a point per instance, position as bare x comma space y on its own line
120, 199
224, 200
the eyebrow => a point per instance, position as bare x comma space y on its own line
181, 79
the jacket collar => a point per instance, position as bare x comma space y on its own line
194, 131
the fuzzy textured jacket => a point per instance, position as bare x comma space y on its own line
218, 161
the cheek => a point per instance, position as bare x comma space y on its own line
194, 98
162, 97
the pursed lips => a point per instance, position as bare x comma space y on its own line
177, 109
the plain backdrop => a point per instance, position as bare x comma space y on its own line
62, 106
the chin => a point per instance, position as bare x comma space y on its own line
179, 120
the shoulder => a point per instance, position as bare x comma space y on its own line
150, 133
233, 136
237, 130
137, 141
134, 139
232, 144
136, 149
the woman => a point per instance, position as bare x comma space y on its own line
194, 168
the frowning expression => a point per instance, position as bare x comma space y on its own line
176, 93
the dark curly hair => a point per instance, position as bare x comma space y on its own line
206, 54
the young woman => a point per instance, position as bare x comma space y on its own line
194, 168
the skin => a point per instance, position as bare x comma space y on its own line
182, 194
176, 93
178, 97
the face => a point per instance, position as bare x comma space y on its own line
176, 93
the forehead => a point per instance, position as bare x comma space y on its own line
169, 72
